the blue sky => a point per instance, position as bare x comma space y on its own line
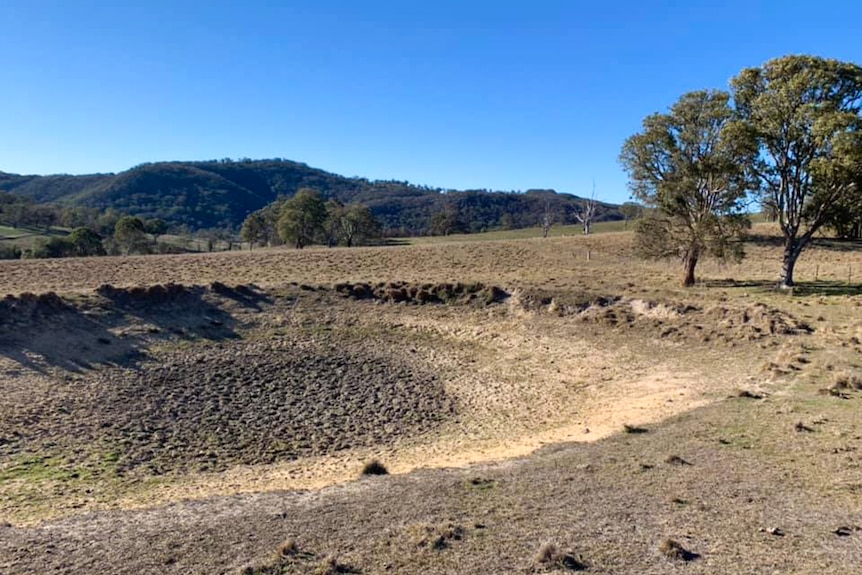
467, 94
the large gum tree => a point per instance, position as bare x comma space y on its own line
686, 170
802, 113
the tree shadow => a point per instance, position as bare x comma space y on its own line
826, 288
838, 244
804, 289
732, 283
765, 240
832, 244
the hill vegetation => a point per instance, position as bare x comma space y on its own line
222, 193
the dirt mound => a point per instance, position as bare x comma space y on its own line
426, 293
243, 403
681, 322
28, 306
669, 319
147, 295
562, 303
756, 321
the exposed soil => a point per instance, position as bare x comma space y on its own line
722, 322
152, 427
743, 505
243, 403
427, 293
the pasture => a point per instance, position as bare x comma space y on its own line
539, 404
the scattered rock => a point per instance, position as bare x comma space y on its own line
676, 460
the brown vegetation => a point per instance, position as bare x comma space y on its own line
233, 380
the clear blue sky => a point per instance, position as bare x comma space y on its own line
457, 94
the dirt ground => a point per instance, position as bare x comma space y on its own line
537, 410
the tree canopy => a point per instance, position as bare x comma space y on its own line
129, 233
301, 219
685, 167
802, 114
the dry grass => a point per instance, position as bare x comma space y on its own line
141, 399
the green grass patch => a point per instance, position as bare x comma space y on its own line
40, 468
26, 236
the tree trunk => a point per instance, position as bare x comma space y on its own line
690, 264
792, 249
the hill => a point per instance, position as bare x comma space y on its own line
221, 193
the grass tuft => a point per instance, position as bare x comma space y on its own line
331, 566
674, 550
846, 380
550, 555
374, 467
288, 549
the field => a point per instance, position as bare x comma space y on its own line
25, 237
541, 405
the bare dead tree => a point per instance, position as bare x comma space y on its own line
547, 219
587, 211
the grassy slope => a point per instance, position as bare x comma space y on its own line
25, 237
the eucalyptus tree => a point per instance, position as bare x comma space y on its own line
688, 171
802, 113
302, 217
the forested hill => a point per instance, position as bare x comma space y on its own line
220, 194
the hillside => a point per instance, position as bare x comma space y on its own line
218, 194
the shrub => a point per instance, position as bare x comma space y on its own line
287, 549
55, 247
374, 467
550, 555
846, 380
9, 252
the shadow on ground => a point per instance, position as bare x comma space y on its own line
833, 244
116, 326
814, 288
